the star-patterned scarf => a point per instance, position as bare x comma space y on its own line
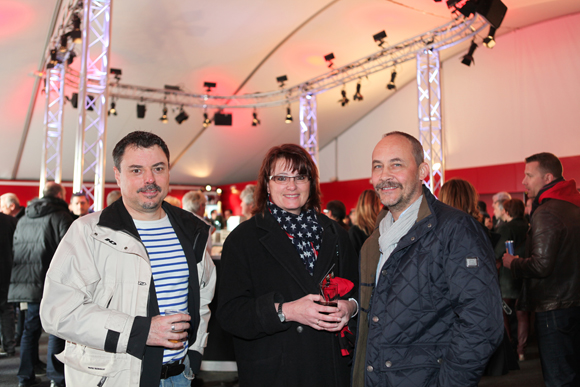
303, 230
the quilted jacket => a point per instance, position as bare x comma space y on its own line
434, 318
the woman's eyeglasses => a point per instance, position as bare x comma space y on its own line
283, 180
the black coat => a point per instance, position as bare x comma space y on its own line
260, 267
36, 238
7, 227
514, 230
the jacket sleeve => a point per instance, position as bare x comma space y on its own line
475, 298
207, 282
504, 235
69, 308
545, 241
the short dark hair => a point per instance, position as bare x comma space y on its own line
137, 139
79, 194
52, 189
295, 158
548, 162
418, 152
337, 209
514, 208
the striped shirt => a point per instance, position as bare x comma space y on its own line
169, 268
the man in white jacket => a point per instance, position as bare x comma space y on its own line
118, 271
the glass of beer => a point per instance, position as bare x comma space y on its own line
171, 312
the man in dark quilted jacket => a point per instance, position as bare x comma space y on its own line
430, 306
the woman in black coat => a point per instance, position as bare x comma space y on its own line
272, 266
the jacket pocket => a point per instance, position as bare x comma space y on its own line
94, 361
424, 284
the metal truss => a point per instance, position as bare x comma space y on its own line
308, 126
53, 118
430, 120
450, 34
90, 147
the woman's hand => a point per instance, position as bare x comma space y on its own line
346, 309
307, 312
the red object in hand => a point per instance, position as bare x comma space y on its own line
344, 285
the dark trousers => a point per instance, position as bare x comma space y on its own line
54, 368
7, 320
29, 343
558, 333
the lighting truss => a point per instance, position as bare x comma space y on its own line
53, 118
94, 80
430, 120
450, 34
308, 126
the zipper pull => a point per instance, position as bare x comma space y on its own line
103, 379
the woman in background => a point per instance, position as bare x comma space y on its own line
367, 208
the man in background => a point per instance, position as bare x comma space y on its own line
79, 204
10, 205
7, 227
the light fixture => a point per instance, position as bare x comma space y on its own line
468, 59
208, 187
391, 85
380, 38
71, 57
141, 109
343, 101
206, 120
281, 80
76, 34
489, 41
182, 116
117, 73
288, 119
255, 120
436, 166
218, 191
329, 59
209, 85
357, 96
63, 43
164, 116
113, 109
53, 59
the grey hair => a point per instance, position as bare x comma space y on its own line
247, 195
192, 200
501, 196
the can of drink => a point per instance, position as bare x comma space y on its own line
509, 246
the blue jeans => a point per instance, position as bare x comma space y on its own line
54, 368
558, 334
178, 380
29, 343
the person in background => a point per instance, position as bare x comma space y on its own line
79, 204
248, 202
497, 198
227, 214
216, 220
10, 205
272, 265
173, 201
113, 196
7, 227
195, 202
367, 209
350, 219
514, 229
528, 210
337, 212
36, 239
550, 268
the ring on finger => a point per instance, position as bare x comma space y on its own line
173, 328
318, 322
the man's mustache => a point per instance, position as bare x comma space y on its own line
149, 187
388, 184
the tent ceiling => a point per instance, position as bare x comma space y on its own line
186, 43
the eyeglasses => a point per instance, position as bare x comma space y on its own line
283, 180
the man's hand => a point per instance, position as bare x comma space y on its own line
508, 259
166, 328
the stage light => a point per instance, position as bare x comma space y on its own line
208, 187
113, 109
222, 119
71, 57
288, 119
468, 59
357, 96
343, 101
329, 59
209, 85
218, 191
63, 43
76, 34
255, 120
175, 88
182, 116
53, 60
206, 120
117, 73
281, 80
380, 38
489, 41
164, 116
141, 109
391, 85
436, 166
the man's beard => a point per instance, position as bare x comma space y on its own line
150, 187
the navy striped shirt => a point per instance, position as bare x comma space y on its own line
170, 271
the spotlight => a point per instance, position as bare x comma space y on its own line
468, 9
141, 109
164, 116
288, 116
222, 119
343, 101
117, 73
182, 116
208, 187
63, 43
255, 120
468, 59
206, 120
209, 85
281, 80
53, 60
218, 191
329, 59
489, 41
391, 85
113, 109
76, 34
357, 96
380, 38
71, 57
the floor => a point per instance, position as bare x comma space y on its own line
530, 374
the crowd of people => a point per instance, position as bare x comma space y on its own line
427, 291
